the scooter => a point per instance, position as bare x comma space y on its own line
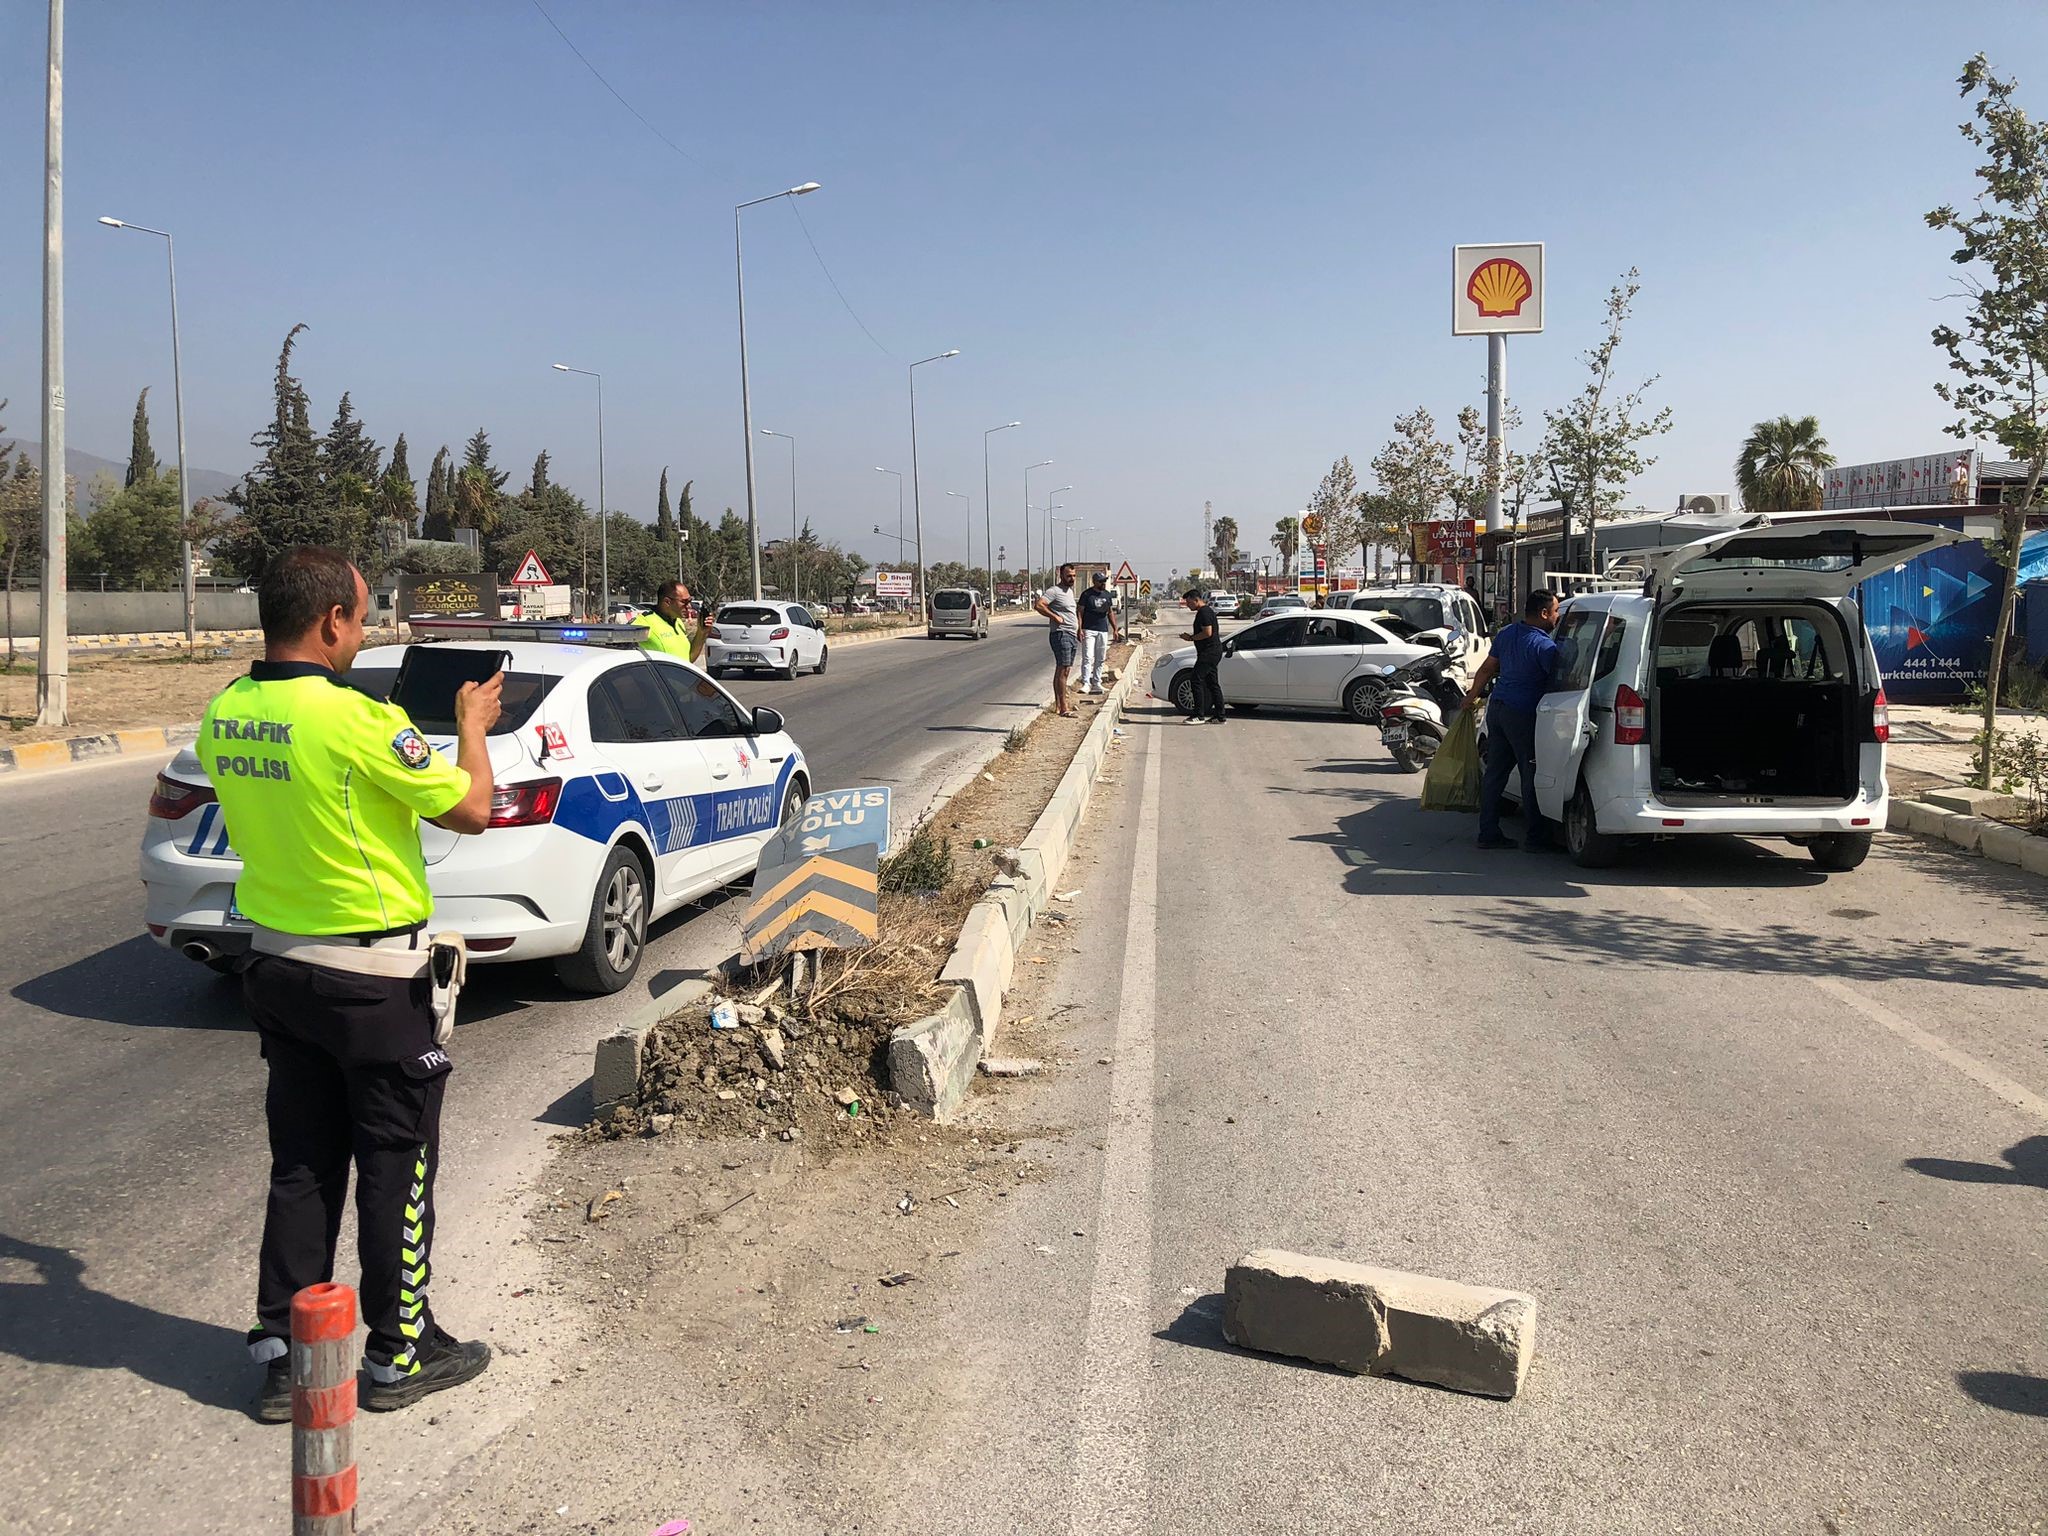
1421, 698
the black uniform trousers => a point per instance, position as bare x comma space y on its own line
1208, 688
354, 1076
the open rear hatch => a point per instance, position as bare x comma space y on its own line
1792, 560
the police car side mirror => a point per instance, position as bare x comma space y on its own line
767, 722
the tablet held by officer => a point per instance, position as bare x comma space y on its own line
322, 788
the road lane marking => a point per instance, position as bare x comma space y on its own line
1113, 1415
2013, 1093
2016, 1094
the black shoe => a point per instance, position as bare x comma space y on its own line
1496, 842
446, 1362
274, 1402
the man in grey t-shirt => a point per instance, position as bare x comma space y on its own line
1057, 604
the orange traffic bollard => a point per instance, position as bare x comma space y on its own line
324, 1411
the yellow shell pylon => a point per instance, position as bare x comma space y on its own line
1499, 287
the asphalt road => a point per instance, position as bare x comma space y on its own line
131, 1138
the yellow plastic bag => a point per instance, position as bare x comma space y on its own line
1452, 783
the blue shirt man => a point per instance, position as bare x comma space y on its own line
1519, 670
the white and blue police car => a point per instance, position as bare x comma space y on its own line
627, 783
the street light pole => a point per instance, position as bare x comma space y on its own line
796, 579
178, 402
916, 496
1024, 549
739, 264
899, 508
604, 530
988, 530
53, 660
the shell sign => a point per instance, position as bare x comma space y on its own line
1497, 289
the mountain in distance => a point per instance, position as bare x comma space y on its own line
83, 465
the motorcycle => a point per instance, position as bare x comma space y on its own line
1417, 707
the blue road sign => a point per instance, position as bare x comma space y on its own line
833, 819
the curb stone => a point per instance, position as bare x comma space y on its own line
932, 1062
615, 1076
71, 752
1974, 834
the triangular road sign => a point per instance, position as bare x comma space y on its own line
1125, 574
531, 572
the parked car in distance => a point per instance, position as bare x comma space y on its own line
1737, 693
623, 613
957, 611
627, 784
1282, 602
1225, 604
769, 636
1311, 660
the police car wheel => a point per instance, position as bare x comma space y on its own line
792, 806
617, 934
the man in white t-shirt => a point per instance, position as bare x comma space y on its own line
1057, 604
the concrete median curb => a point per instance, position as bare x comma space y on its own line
615, 1076
76, 751
1995, 840
932, 1062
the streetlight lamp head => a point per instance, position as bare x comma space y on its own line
954, 353
1009, 424
809, 186
112, 223
560, 367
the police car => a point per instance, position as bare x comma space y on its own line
626, 785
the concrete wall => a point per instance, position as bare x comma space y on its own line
129, 613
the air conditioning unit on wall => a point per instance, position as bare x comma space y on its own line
1703, 505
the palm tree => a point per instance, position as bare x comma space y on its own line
1287, 539
1781, 464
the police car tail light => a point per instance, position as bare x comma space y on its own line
1631, 718
1880, 718
529, 804
173, 799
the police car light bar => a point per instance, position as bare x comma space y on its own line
618, 636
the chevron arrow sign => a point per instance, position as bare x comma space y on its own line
826, 901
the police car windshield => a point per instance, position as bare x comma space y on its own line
436, 716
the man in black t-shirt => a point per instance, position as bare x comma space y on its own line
1098, 625
1208, 638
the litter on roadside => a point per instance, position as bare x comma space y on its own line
600, 1207
725, 1016
901, 1277
906, 1205
1066, 895
849, 1325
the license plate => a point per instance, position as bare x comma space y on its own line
1395, 735
745, 656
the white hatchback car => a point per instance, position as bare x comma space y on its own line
626, 785
764, 637
1315, 660
1736, 693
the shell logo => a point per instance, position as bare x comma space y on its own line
1499, 287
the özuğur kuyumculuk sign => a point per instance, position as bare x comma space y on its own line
1497, 290
816, 884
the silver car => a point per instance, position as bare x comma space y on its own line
957, 611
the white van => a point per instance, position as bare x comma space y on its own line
1736, 693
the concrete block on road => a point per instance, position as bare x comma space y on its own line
932, 1062
1964, 831
2034, 856
1972, 802
2003, 843
982, 959
1383, 1322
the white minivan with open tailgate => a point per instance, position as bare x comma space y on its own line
1737, 692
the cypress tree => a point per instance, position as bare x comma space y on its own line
348, 449
436, 523
398, 465
664, 519
282, 500
142, 463
538, 486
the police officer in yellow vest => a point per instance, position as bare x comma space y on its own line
667, 626
322, 788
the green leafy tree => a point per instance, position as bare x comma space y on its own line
1418, 482
1340, 511
435, 557
142, 464
479, 487
1223, 551
397, 504
1781, 465
347, 448
1999, 354
130, 537
1593, 444
438, 521
548, 519
282, 501
1287, 539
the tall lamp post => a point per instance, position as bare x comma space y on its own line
604, 527
988, 530
899, 508
796, 580
916, 499
739, 265
178, 399
1024, 549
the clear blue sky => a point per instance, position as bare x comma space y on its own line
1199, 249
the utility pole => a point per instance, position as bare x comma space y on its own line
53, 662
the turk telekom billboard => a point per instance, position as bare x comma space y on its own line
1930, 620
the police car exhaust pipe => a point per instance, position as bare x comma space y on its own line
200, 950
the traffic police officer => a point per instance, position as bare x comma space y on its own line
322, 788
667, 626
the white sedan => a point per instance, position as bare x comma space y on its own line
1305, 661
627, 784
764, 637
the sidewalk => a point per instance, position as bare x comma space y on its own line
1939, 740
